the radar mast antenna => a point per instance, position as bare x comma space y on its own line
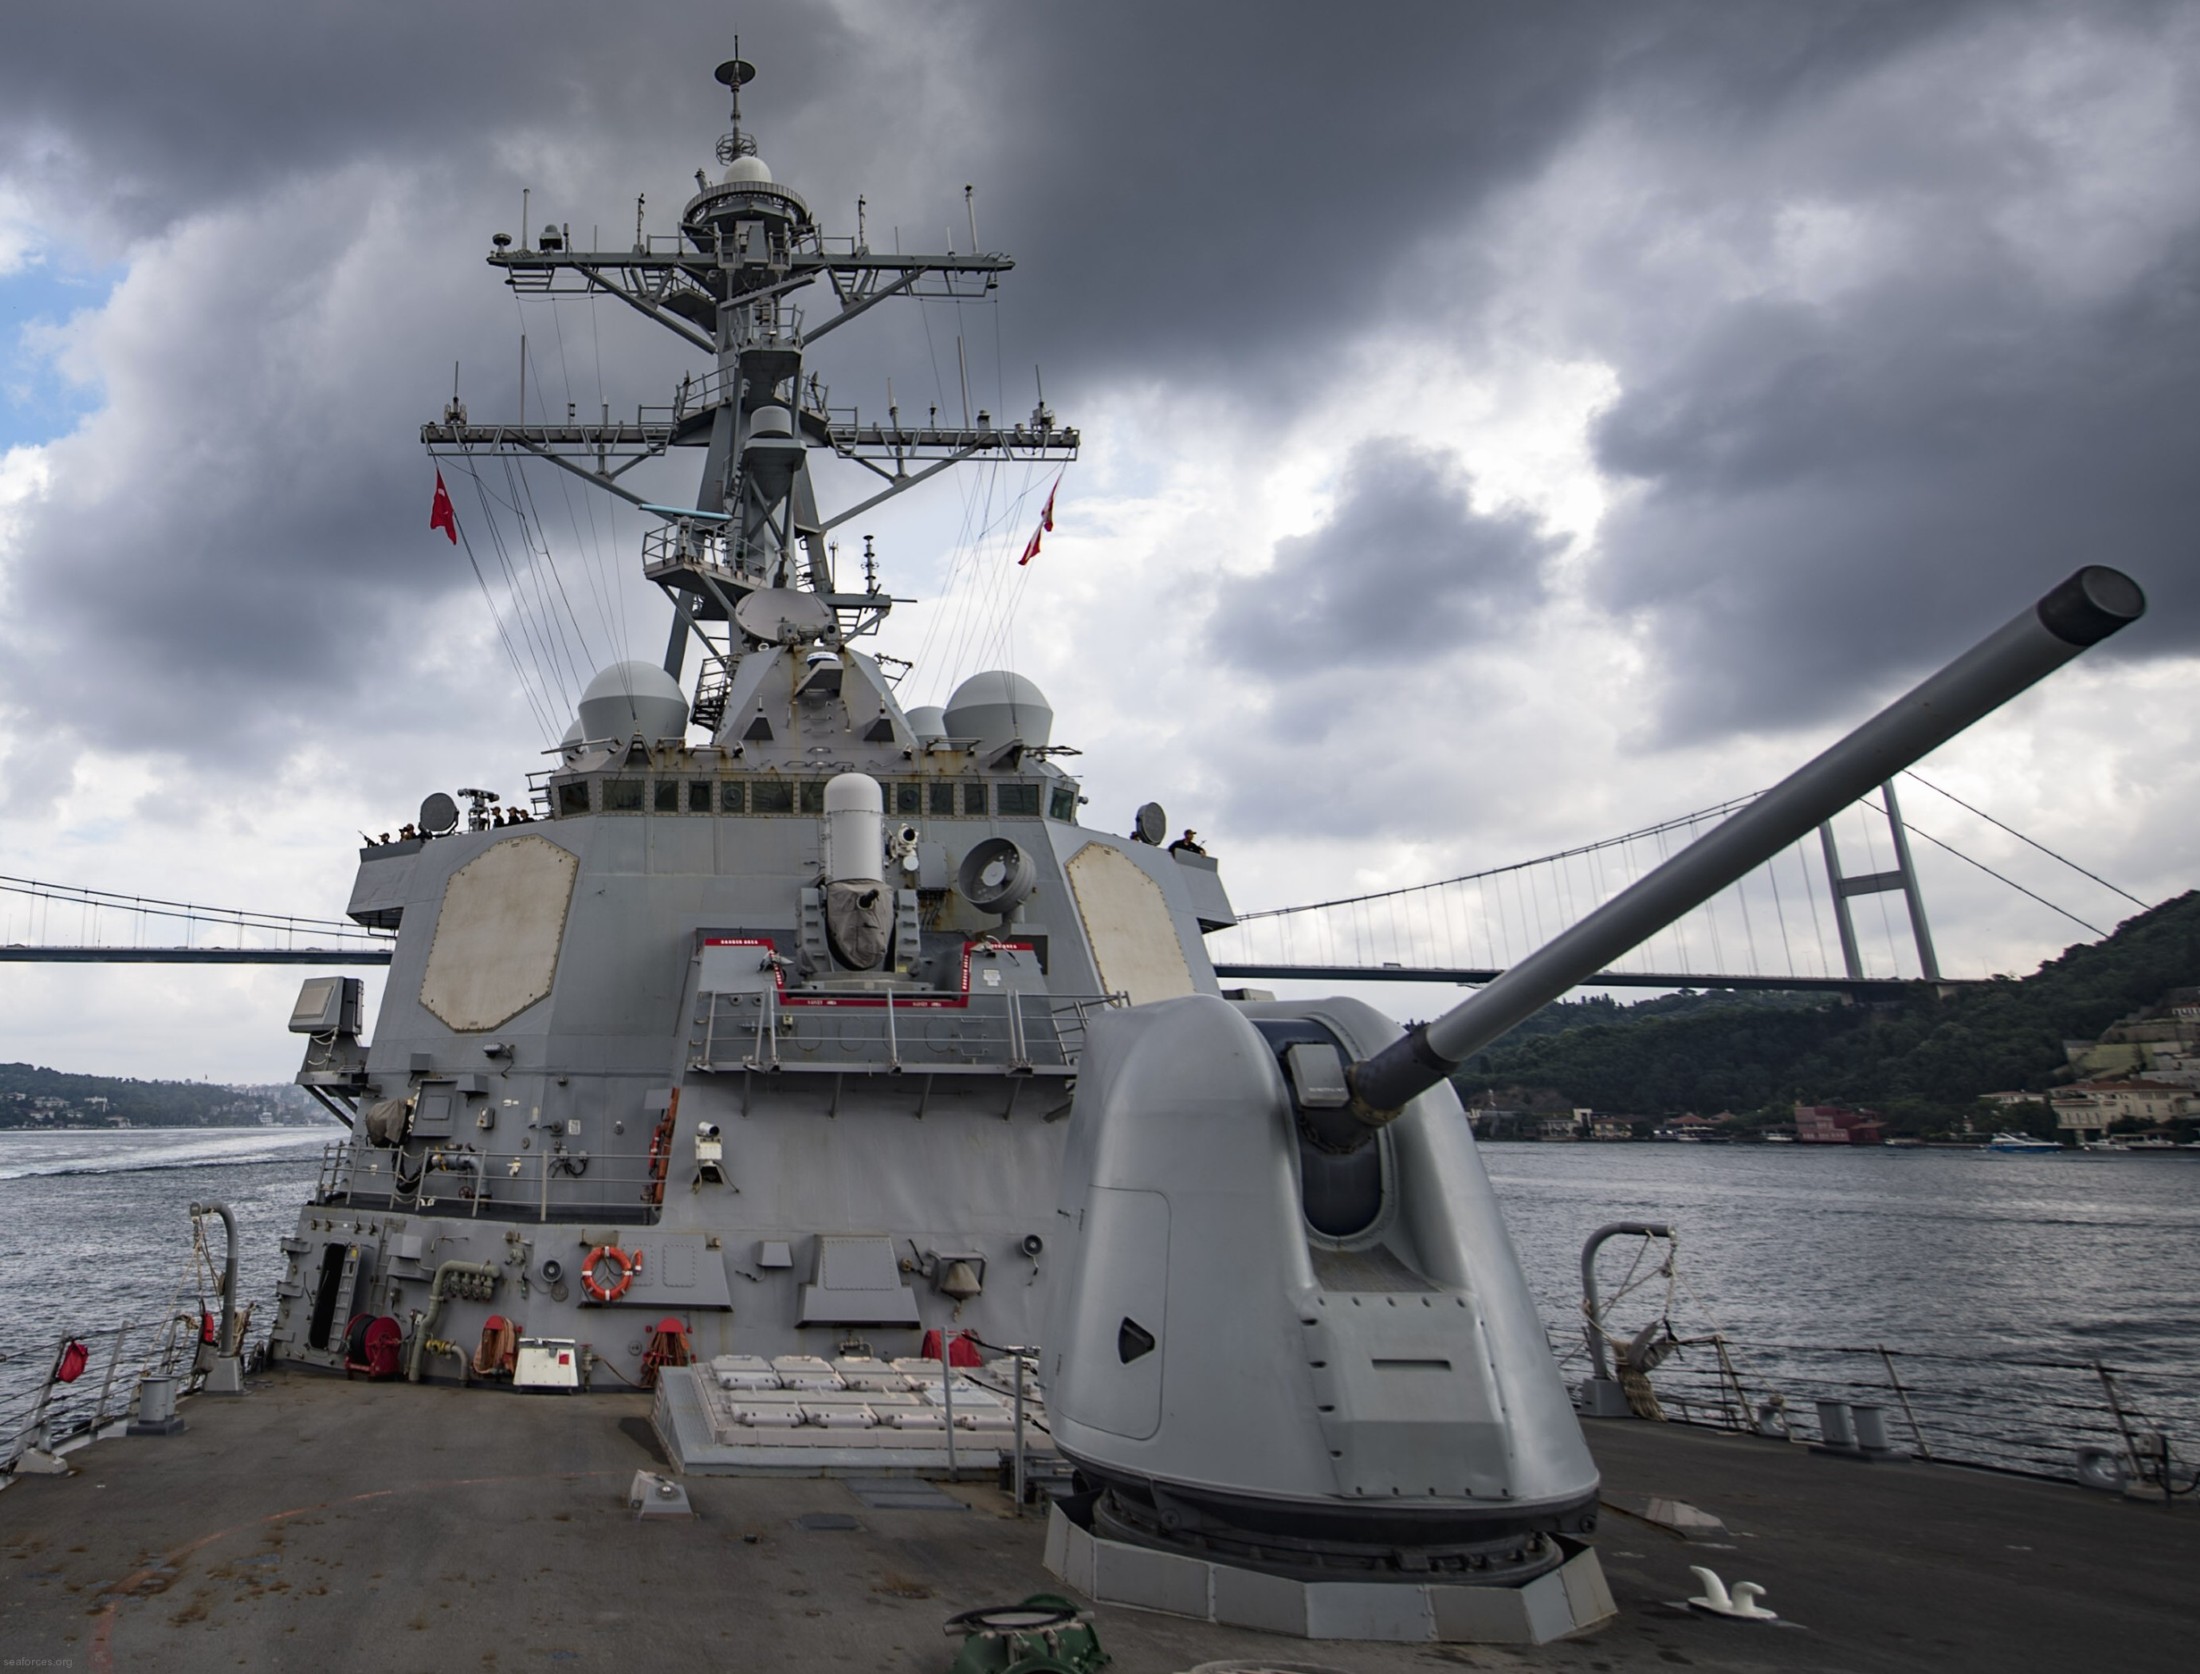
734, 74
724, 284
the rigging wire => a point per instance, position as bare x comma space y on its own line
609, 568
542, 537
565, 487
536, 537
504, 638
556, 642
513, 595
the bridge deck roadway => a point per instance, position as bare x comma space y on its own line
333, 1526
1858, 987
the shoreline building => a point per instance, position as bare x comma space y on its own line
2087, 1110
1835, 1124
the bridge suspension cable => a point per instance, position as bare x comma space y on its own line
1793, 920
99, 908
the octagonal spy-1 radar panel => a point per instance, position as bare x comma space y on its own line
498, 933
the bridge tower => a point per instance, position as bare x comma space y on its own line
1903, 878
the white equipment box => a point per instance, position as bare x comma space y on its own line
547, 1363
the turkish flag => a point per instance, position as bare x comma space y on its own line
443, 515
1046, 525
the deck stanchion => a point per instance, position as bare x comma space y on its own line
1019, 1469
947, 1394
1894, 1378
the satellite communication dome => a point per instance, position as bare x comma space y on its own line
997, 706
634, 697
927, 720
750, 167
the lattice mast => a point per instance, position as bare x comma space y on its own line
725, 284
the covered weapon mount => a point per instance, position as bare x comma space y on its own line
2082, 611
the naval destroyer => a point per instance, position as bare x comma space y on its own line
801, 1040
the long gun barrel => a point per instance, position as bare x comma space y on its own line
2082, 611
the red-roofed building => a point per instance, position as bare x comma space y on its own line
1834, 1124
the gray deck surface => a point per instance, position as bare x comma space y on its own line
328, 1526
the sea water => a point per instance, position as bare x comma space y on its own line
2020, 1299
1974, 1268
95, 1228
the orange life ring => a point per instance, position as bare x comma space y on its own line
628, 1265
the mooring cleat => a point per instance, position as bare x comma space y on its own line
1741, 1604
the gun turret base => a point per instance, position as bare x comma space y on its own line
1568, 1597
1342, 1542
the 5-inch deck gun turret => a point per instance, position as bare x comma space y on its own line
1291, 1334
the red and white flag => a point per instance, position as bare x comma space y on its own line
1046, 525
443, 515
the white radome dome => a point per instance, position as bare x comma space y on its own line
743, 170
997, 706
633, 698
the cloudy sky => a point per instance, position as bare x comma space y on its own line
1504, 426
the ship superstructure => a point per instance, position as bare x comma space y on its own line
780, 995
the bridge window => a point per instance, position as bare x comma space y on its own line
1062, 805
813, 796
668, 796
622, 796
974, 797
698, 796
908, 795
1019, 799
732, 797
772, 796
943, 796
573, 797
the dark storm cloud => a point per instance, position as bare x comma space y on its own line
1225, 191
145, 111
1220, 197
1403, 568
1829, 492
1190, 188
1827, 502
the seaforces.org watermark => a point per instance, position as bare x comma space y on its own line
37, 1662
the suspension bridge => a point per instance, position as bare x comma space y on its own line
1842, 912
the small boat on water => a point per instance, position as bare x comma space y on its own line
2019, 1143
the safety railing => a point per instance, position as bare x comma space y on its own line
686, 543
90, 1381
2069, 1419
543, 1184
911, 1033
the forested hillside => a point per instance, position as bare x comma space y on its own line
32, 1097
1923, 1061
